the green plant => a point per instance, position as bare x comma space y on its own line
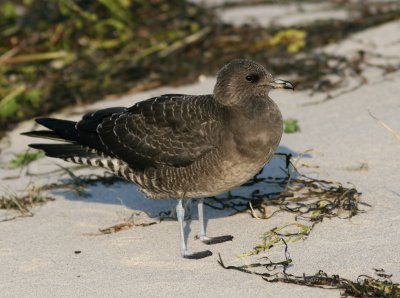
291, 126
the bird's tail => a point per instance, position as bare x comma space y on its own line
60, 130
78, 146
82, 155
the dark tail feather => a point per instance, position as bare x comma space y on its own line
44, 134
64, 150
63, 129
68, 131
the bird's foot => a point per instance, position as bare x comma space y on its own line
214, 240
197, 255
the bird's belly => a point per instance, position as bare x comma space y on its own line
231, 173
196, 183
235, 175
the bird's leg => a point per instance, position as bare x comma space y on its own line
202, 235
180, 213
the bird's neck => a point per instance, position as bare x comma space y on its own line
254, 108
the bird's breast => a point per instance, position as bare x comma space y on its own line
247, 145
253, 136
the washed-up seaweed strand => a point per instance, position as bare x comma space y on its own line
306, 197
268, 264
364, 286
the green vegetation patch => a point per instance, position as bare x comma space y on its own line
291, 126
61, 52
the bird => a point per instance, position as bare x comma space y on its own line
180, 146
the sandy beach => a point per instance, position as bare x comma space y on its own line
58, 251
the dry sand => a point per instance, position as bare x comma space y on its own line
37, 254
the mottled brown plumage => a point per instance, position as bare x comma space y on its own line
180, 146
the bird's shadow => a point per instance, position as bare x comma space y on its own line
127, 195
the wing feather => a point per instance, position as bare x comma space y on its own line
173, 130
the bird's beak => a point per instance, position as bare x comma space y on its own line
281, 84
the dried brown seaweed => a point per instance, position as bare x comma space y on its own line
24, 202
309, 198
311, 201
125, 225
364, 286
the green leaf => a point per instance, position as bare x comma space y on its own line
291, 126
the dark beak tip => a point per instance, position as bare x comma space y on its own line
283, 84
289, 85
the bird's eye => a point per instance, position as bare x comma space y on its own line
252, 78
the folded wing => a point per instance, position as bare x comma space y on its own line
173, 130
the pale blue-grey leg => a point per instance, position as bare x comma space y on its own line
202, 223
202, 235
180, 213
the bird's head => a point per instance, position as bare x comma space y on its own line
241, 80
